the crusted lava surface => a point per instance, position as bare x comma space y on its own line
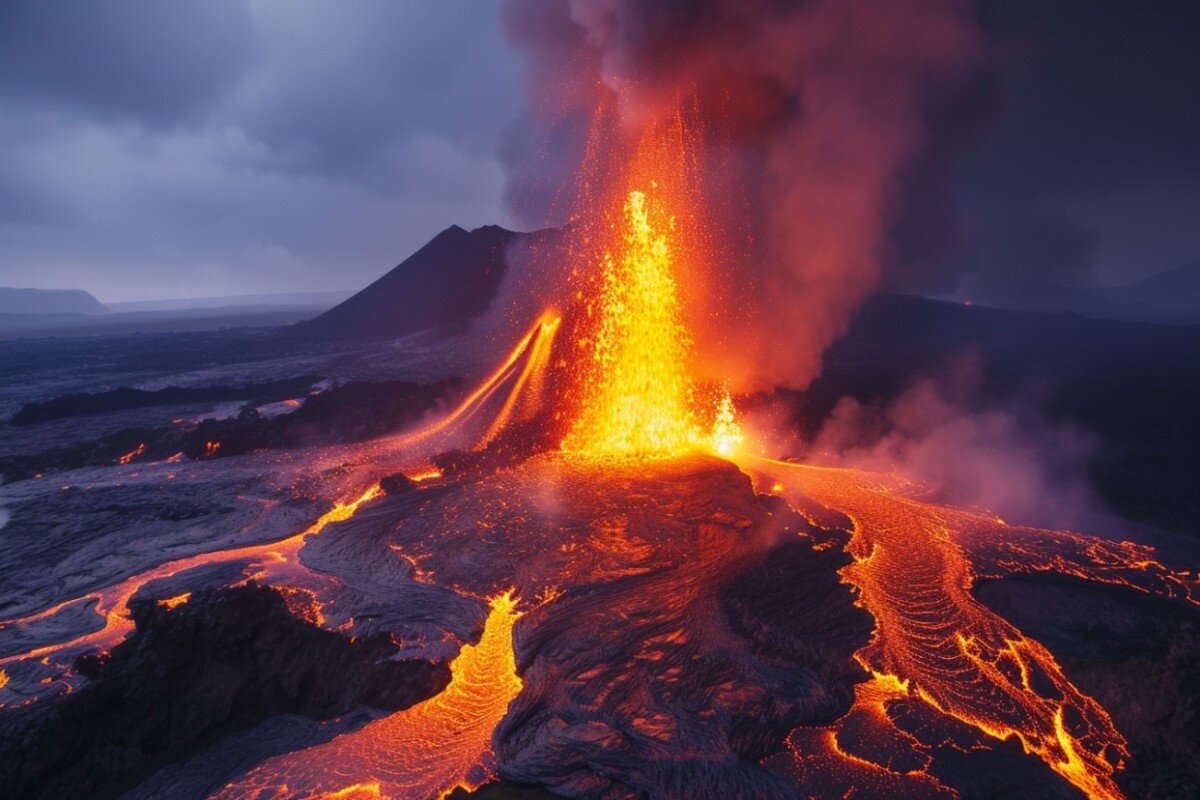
1139, 656
223, 661
682, 624
353, 412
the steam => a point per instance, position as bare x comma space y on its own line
1002, 457
809, 111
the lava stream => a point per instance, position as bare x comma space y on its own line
278, 562
272, 562
423, 752
934, 642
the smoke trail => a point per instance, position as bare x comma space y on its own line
809, 111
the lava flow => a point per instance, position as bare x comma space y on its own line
278, 563
635, 394
425, 751
914, 566
272, 562
655, 588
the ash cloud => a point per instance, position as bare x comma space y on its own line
810, 113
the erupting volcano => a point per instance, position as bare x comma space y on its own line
592, 572
624, 601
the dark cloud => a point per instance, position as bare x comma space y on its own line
149, 61
153, 149
1097, 119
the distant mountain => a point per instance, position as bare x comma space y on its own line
1175, 288
444, 285
1171, 297
49, 301
310, 300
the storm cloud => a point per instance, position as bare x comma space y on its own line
156, 150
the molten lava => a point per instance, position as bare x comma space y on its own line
914, 566
637, 396
934, 648
425, 751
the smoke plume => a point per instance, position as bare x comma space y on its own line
809, 112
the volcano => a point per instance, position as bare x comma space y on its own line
443, 286
586, 575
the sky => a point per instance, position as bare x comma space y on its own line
157, 150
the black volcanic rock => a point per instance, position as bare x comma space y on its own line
224, 661
83, 403
444, 285
1133, 385
351, 412
690, 623
1137, 655
397, 483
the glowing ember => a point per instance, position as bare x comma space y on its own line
727, 434
132, 454
176, 601
637, 398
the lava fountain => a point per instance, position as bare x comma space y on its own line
635, 393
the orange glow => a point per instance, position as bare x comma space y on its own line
636, 395
132, 454
272, 561
425, 751
433, 473
359, 791
527, 402
176, 601
536, 340
211, 449
914, 565
727, 436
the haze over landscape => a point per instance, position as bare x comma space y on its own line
599, 399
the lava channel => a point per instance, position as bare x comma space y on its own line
935, 643
423, 752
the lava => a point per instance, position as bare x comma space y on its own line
132, 454
638, 396
275, 561
278, 563
914, 566
425, 751
934, 646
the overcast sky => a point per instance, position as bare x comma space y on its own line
152, 150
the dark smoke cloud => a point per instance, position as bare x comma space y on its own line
811, 110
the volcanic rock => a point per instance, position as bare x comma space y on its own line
1137, 655
397, 483
223, 661
685, 624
